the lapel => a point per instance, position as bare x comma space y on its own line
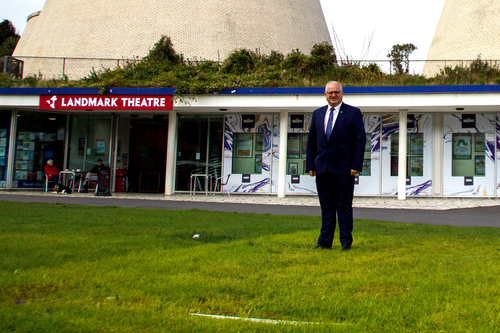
321, 116
340, 116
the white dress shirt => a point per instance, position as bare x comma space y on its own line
335, 115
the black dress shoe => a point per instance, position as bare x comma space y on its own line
321, 247
346, 247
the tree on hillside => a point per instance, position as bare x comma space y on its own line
400, 57
8, 38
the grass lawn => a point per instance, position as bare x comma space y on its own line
68, 268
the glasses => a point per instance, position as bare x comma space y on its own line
333, 92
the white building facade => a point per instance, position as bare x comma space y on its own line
421, 141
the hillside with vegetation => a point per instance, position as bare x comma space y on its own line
164, 67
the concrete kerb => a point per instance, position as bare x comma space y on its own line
413, 203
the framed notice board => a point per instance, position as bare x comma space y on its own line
149, 182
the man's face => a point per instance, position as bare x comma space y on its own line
334, 94
99, 163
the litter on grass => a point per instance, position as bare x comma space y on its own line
259, 320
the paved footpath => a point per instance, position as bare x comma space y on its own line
436, 211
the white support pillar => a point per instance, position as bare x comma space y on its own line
12, 149
403, 127
282, 153
113, 147
171, 149
437, 154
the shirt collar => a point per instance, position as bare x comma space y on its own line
337, 108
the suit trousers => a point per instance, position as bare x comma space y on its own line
335, 194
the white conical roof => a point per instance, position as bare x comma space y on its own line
466, 29
209, 29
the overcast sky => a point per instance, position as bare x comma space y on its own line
356, 22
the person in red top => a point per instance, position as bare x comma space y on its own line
52, 173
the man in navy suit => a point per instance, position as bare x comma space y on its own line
335, 150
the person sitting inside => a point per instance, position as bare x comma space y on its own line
52, 173
93, 175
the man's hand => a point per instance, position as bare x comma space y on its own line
311, 173
354, 172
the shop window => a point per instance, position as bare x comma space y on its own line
296, 153
414, 156
367, 159
247, 153
89, 141
4, 146
40, 137
468, 151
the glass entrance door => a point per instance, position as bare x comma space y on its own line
199, 151
90, 140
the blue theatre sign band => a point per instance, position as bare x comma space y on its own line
104, 102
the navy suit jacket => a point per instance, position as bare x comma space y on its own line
345, 148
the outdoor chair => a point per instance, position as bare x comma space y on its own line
47, 182
219, 182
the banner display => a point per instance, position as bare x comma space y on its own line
106, 102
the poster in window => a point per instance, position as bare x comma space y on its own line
81, 146
244, 145
3, 142
293, 168
2, 151
101, 147
293, 149
367, 167
20, 155
479, 143
258, 163
2, 161
462, 146
21, 175
51, 136
394, 144
394, 165
304, 145
479, 166
3, 133
416, 143
19, 165
32, 136
368, 143
416, 165
259, 138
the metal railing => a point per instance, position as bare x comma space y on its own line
11, 66
48, 68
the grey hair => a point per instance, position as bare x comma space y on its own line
332, 82
48, 161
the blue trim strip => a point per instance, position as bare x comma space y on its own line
260, 91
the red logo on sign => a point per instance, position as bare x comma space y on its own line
104, 102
